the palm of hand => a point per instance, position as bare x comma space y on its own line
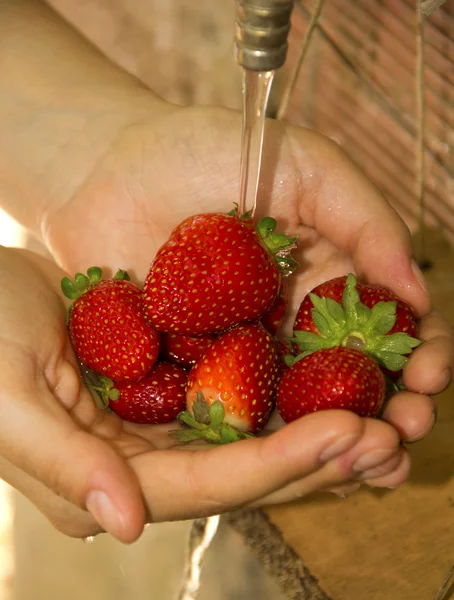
160, 173
130, 204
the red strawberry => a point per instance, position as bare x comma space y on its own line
183, 350
272, 319
406, 320
215, 271
107, 327
283, 349
230, 391
156, 398
367, 318
369, 295
332, 378
334, 288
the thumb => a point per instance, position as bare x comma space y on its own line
345, 207
38, 436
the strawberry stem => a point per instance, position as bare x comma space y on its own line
106, 390
247, 216
279, 245
355, 340
207, 423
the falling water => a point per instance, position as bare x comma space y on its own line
256, 90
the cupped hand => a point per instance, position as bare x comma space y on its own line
88, 471
184, 161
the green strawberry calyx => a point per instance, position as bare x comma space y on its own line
235, 212
206, 422
106, 390
279, 245
354, 325
82, 283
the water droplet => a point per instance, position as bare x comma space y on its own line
89, 540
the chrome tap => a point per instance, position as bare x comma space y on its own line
262, 28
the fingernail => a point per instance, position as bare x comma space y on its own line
106, 514
373, 473
338, 447
372, 459
419, 275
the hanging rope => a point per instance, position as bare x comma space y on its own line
420, 169
286, 95
428, 6
445, 585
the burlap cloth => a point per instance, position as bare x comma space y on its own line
376, 544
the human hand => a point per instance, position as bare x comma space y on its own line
64, 454
59, 450
186, 161
104, 173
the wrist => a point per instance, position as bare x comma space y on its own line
62, 105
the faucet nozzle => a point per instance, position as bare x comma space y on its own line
262, 29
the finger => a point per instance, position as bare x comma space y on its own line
194, 484
338, 200
308, 485
383, 469
412, 415
431, 365
64, 516
378, 444
39, 437
396, 477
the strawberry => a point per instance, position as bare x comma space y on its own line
107, 327
183, 350
285, 354
369, 318
231, 389
156, 398
272, 319
332, 378
215, 271
369, 295
334, 288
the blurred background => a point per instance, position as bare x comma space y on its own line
358, 86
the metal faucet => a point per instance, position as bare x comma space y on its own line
262, 28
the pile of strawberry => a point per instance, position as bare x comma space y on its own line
198, 340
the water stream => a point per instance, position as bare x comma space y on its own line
256, 89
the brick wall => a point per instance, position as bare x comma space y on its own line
358, 87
